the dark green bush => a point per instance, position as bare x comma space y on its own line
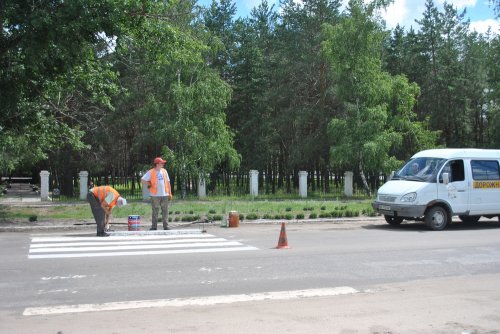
252, 216
214, 217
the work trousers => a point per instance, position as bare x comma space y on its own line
158, 202
98, 212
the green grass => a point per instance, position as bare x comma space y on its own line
181, 209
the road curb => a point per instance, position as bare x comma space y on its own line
119, 227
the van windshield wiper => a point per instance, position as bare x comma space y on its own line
415, 178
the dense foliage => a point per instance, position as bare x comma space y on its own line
107, 85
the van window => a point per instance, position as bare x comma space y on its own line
420, 169
455, 170
485, 170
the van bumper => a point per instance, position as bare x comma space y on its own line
399, 210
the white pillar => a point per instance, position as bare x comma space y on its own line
84, 178
303, 184
202, 189
254, 182
348, 184
44, 185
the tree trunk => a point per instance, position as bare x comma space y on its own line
365, 183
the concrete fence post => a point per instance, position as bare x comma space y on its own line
84, 179
254, 182
303, 184
348, 184
44, 185
202, 187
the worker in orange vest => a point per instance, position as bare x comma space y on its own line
102, 200
158, 182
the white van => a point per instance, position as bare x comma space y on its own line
435, 185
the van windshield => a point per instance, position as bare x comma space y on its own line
420, 169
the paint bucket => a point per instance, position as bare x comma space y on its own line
134, 223
234, 219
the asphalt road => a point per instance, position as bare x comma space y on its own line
350, 277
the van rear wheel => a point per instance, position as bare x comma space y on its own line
436, 218
393, 220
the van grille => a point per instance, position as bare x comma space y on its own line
387, 198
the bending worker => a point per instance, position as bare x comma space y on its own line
158, 183
102, 200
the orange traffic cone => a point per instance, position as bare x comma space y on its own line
282, 242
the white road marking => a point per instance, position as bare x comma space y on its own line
115, 238
113, 247
113, 243
195, 301
63, 277
178, 251
72, 247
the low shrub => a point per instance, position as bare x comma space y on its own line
252, 216
369, 212
336, 214
190, 218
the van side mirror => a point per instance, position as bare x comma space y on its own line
391, 176
446, 178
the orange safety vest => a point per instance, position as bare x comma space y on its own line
153, 182
102, 191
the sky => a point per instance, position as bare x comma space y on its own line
405, 12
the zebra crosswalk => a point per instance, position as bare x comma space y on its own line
46, 247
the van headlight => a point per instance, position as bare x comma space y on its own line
410, 197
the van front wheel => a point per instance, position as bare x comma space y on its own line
436, 218
393, 220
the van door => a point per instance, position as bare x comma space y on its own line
456, 192
485, 192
